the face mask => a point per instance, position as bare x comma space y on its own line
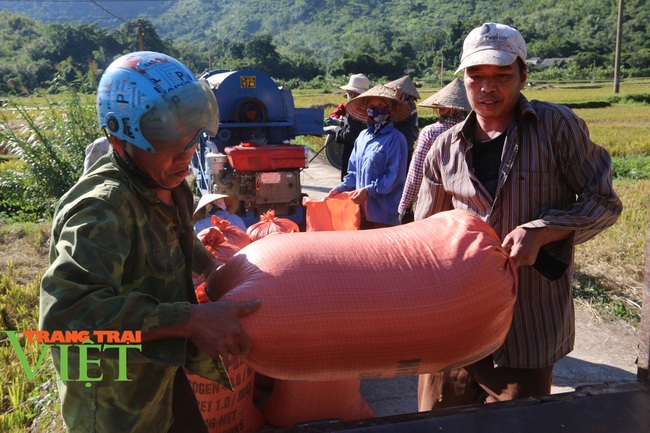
378, 115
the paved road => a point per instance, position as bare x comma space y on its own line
604, 351
320, 177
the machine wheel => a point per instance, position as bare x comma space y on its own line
334, 151
251, 110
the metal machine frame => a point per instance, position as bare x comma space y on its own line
252, 157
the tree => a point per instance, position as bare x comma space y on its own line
358, 62
128, 36
429, 52
261, 54
236, 50
639, 60
305, 67
456, 36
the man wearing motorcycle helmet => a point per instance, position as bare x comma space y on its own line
122, 255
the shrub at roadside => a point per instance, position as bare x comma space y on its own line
49, 141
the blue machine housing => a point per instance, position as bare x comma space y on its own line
252, 108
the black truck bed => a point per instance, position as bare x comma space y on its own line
601, 408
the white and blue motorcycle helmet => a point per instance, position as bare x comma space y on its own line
156, 103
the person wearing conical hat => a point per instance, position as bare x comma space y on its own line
344, 128
406, 91
220, 205
404, 86
452, 105
377, 166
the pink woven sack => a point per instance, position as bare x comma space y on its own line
269, 224
338, 213
223, 239
224, 410
406, 300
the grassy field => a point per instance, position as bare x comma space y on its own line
24, 403
608, 275
623, 130
561, 92
566, 92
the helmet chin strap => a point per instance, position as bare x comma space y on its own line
128, 163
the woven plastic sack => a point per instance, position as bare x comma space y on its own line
406, 300
270, 224
224, 410
223, 239
292, 402
338, 213
295, 401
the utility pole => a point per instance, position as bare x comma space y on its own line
442, 68
140, 35
617, 61
593, 72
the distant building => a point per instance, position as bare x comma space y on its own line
538, 63
533, 61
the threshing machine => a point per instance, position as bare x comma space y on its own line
252, 157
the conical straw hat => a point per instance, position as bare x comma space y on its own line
406, 84
232, 203
451, 96
398, 110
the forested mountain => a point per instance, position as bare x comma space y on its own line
304, 38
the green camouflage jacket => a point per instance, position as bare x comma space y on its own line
121, 259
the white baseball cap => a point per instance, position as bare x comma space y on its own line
492, 44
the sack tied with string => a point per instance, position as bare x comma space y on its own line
406, 300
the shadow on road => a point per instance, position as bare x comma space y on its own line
573, 372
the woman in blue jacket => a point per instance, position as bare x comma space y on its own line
377, 166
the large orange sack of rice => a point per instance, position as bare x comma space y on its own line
416, 298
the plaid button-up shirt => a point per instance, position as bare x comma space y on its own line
414, 177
